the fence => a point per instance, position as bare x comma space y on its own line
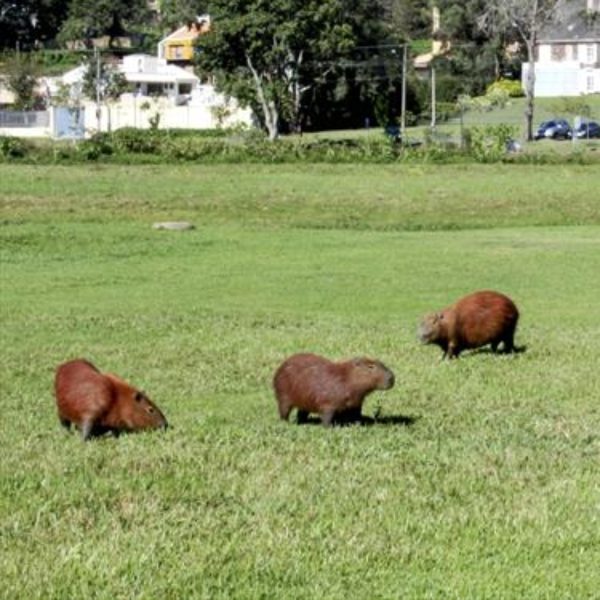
10, 118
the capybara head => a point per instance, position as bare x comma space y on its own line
147, 414
370, 374
432, 328
137, 411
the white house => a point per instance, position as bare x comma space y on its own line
156, 88
568, 53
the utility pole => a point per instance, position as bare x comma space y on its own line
433, 99
403, 108
98, 111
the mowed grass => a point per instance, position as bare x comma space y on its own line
480, 477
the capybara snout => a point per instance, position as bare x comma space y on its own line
98, 402
314, 384
429, 328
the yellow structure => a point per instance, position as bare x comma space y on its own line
179, 45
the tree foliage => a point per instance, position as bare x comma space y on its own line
88, 19
21, 80
30, 22
270, 54
174, 13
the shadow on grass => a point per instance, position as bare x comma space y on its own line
364, 421
488, 350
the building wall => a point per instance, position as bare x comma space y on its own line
137, 111
566, 69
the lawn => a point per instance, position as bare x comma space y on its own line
478, 479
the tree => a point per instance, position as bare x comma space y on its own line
270, 54
21, 80
408, 19
104, 83
527, 18
474, 57
88, 19
174, 13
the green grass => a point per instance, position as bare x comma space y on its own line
511, 114
480, 480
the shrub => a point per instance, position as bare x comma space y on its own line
137, 141
489, 143
511, 87
11, 147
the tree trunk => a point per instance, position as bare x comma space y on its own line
269, 107
530, 88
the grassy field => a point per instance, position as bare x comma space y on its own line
511, 114
479, 478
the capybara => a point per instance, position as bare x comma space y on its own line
335, 390
478, 319
98, 402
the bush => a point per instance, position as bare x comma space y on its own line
488, 143
138, 141
511, 87
11, 147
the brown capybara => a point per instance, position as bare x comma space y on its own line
478, 319
313, 384
98, 402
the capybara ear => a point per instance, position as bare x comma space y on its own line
139, 396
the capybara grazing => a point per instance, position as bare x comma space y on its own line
478, 319
98, 402
334, 390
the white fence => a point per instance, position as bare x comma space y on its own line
205, 109
21, 119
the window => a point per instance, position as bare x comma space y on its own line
590, 53
574, 52
558, 52
589, 83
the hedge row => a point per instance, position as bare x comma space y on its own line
132, 146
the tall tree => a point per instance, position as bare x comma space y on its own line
88, 19
527, 18
30, 22
408, 19
475, 56
174, 13
271, 53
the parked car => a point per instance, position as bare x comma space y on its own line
555, 129
588, 129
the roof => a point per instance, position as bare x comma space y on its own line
573, 24
144, 67
190, 31
141, 68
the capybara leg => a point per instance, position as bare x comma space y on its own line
87, 426
327, 417
65, 423
284, 410
301, 416
453, 351
509, 342
495, 345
